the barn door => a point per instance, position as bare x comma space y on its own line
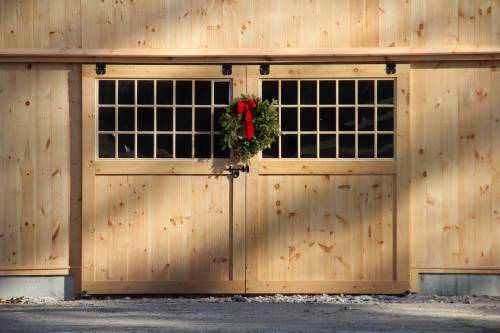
327, 205
160, 214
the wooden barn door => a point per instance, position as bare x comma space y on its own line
160, 215
327, 205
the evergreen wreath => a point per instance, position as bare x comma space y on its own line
249, 126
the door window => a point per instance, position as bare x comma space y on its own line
333, 118
161, 119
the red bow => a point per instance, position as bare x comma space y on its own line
246, 107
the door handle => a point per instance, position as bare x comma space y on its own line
236, 169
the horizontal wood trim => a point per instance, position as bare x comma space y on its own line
34, 271
327, 167
301, 55
179, 167
330, 287
325, 71
137, 71
163, 287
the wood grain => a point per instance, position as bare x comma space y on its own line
34, 167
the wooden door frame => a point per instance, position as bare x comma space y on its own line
399, 168
92, 167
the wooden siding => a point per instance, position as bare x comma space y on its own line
324, 228
34, 167
454, 108
163, 228
455, 159
277, 24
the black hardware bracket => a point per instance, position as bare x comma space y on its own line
235, 170
100, 69
265, 69
390, 68
227, 69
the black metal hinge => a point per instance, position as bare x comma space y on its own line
100, 69
265, 69
390, 68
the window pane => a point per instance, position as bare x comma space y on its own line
366, 145
126, 91
308, 145
221, 92
327, 145
385, 119
217, 113
218, 151
106, 92
289, 146
202, 145
288, 119
202, 119
385, 92
308, 92
164, 92
106, 119
346, 119
289, 92
183, 146
164, 119
126, 120
203, 92
327, 92
385, 145
366, 92
366, 119
271, 152
106, 145
346, 92
145, 119
270, 90
145, 92
308, 119
183, 119
183, 92
145, 144
164, 146
126, 146
327, 119
346, 145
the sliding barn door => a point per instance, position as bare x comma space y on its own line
159, 213
327, 204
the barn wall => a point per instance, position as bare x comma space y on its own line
34, 168
454, 108
217, 24
455, 158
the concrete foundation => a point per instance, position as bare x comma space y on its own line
460, 284
58, 287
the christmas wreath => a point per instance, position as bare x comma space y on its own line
249, 126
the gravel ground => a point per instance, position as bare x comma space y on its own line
278, 313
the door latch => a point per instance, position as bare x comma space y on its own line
236, 169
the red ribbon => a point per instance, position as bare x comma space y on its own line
246, 107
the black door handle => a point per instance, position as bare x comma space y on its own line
236, 169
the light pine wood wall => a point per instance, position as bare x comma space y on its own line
35, 167
454, 108
455, 159
247, 23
